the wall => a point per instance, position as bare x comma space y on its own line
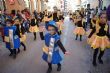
17, 5
38, 5
94, 3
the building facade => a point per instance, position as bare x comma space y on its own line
38, 5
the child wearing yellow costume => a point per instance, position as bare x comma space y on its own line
79, 30
34, 26
47, 18
60, 23
99, 40
92, 25
60, 26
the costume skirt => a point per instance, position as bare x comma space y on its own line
34, 29
79, 31
101, 42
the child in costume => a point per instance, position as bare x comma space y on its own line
60, 26
34, 26
79, 30
11, 38
92, 25
20, 31
99, 40
60, 23
46, 19
55, 16
51, 50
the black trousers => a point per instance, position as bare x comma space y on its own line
14, 51
41, 35
80, 37
50, 65
23, 46
34, 35
96, 53
11, 51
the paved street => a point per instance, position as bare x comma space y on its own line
30, 61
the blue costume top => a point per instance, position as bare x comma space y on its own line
16, 40
51, 52
56, 58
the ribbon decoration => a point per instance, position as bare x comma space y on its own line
11, 38
51, 48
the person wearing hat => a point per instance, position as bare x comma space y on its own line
51, 50
11, 39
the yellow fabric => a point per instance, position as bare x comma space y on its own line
23, 38
79, 31
6, 39
34, 29
60, 25
45, 49
93, 24
46, 19
99, 42
88, 32
90, 40
51, 18
98, 27
83, 20
106, 27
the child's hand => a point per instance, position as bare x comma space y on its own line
67, 53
